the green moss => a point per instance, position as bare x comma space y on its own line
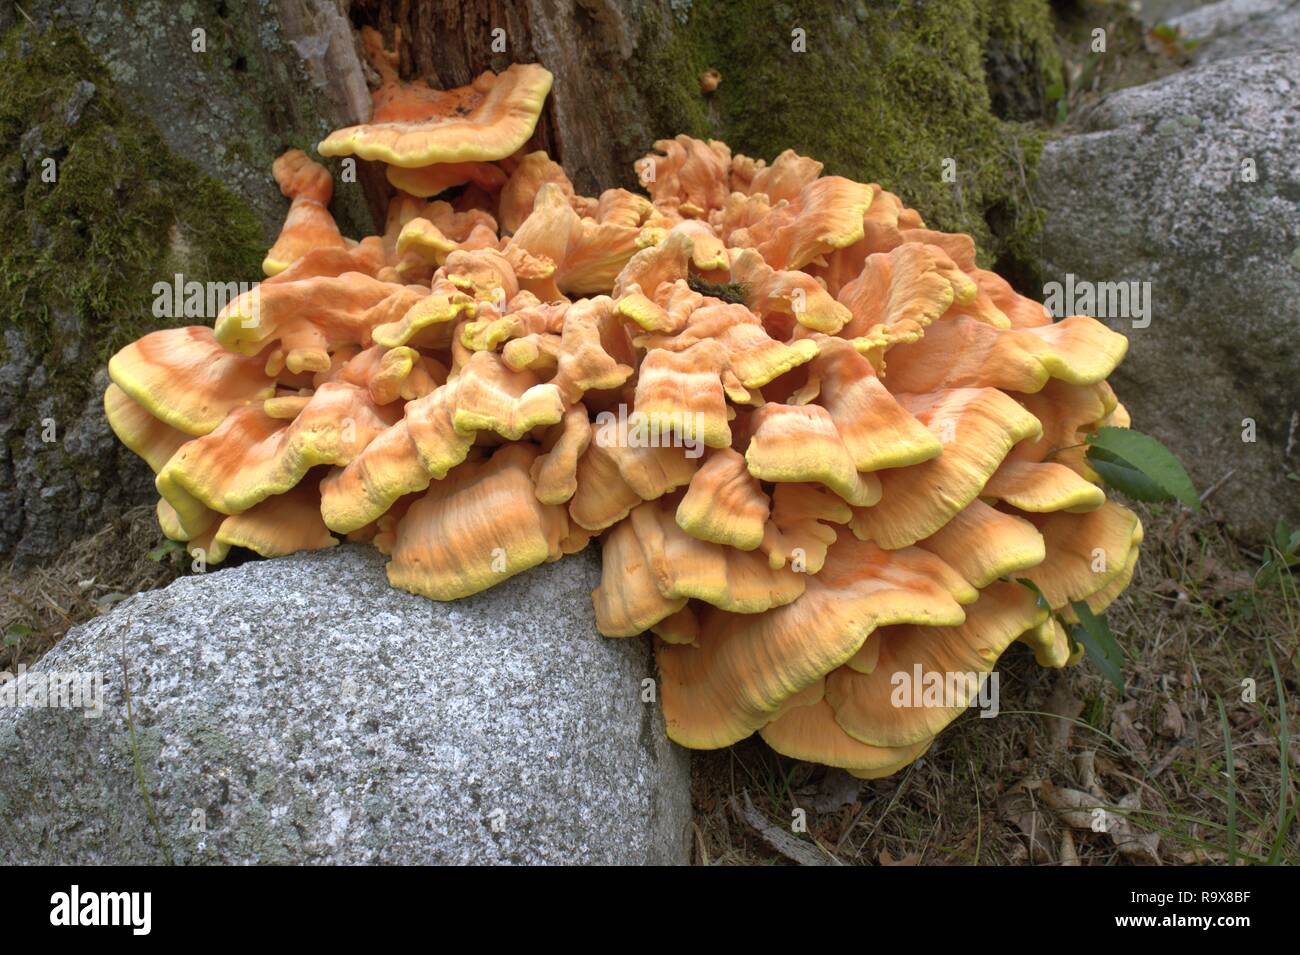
882, 92
122, 214
1022, 58
728, 291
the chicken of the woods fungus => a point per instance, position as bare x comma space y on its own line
818, 444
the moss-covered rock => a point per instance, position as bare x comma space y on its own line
1021, 59
892, 93
223, 81
103, 193
95, 208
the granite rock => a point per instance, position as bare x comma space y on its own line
302, 711
1241, 28
1192, 184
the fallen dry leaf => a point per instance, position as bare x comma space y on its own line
1068, 855
1124, 728
1063, 705
1221, 579
836, 790
1142, 848
1086, 765
1082, 810
1174, 752
1172, 724
1073, 807
1020, 808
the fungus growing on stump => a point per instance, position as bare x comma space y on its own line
309, 226
817, 445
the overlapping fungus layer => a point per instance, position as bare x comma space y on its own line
817, 443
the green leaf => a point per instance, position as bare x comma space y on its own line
1284, 750
163, 549
1133, 460
1129, 481
1042, 601
1286, 540
1103, 650
1281, 531
1230, 767
15, 633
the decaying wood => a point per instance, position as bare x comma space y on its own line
589, 45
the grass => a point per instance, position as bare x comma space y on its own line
39, 604
1212, 769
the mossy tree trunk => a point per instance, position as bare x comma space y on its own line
881, 91
137, 144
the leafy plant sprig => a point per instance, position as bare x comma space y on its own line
1141, 468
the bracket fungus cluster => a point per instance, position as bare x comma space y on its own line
818, 445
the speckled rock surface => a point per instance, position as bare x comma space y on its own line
1241, 27
303, 711
1161, 11
1192, 183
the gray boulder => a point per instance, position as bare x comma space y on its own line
302, 711
1241, 27
1192, 184
1160, 11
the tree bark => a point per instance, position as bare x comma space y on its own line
586, 44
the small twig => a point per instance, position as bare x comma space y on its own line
700, 847
796, 850
1205, 496
857, 818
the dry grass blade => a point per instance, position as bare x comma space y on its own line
38, 605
